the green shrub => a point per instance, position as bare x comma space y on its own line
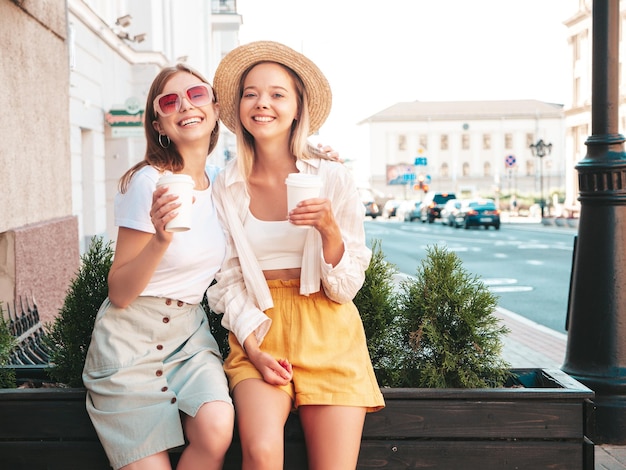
377, 305
7, 343
439, 331
69, 334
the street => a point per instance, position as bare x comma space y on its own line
527, 266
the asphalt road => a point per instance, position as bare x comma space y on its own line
528, 266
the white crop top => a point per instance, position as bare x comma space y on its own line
277, 244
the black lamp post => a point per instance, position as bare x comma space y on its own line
541, 149
596, 316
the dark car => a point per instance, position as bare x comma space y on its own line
432, 204
477, 213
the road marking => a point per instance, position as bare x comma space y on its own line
501, 285
511, 289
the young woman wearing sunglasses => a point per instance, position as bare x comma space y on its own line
154, 373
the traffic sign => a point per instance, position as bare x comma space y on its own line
421, 161
509, 161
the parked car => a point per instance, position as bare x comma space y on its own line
449, 212
390, 208
432, 204
477, 213
372, 208
408, 210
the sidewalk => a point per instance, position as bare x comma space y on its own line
531, 345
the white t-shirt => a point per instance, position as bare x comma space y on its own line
189, 265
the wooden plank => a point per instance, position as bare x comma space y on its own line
474, 455
46, 419
53, 456
412, 419
471, 455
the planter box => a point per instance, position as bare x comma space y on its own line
539, 425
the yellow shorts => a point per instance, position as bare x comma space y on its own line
325, 343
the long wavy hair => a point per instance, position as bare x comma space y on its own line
164, 158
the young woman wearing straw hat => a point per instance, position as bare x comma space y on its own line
287, 282
154, 373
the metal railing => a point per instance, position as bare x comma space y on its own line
25, 325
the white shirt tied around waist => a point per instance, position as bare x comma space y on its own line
241, 291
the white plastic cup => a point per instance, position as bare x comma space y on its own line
182, 185
301, 186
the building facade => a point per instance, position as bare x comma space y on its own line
578, 108
471, 148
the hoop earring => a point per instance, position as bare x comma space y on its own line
161, 141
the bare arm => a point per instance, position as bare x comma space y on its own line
137, 253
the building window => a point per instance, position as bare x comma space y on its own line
576, 40
466, 169
401, 142
423, 141
530, 168
530, 139
508, 141
445, 172
465, 141
487, 169
444, 142
576, 92
486, 141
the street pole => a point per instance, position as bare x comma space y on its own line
596, 317
541, 149
543, 199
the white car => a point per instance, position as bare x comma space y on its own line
409, 210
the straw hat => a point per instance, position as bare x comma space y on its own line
235, 63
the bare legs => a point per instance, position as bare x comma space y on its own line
332, 433
262, 410
209, 434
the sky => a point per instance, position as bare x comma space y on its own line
379, 53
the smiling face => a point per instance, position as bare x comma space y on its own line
269, 102
187, 122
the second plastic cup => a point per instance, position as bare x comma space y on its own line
301, 186
182, 185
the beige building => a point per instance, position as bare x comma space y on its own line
471, 148
578, 110
38, 228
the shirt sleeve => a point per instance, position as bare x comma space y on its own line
132, 208
229, 295
343, 281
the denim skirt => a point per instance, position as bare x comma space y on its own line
145, 365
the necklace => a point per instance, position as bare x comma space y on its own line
201, 185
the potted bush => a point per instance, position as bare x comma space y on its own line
451, 400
